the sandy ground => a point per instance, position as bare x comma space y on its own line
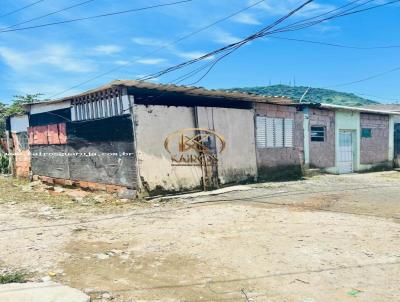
329, 238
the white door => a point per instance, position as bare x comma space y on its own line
345, 156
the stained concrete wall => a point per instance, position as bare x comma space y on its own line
375, 149
322, 154
275, 163
152, 126
237, 163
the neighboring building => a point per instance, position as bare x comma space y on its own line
154, 139
349, 139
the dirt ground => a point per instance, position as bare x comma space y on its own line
329, 238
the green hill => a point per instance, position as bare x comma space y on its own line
315, 95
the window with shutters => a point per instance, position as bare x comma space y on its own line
318, 133
274, 132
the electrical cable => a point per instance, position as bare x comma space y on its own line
47, 15
180, 39
21, 9
97, 16
334, 44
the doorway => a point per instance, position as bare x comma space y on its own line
346, 152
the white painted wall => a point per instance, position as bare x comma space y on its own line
19, 123
43, 107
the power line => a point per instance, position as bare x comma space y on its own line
224, 51
180, 39
47, 15
230, 48
267, 31
20, 9
334, 44
96, 16
365, 79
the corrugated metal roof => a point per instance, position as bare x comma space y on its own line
191, 91
359, 109
387, 107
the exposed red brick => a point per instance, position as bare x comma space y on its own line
59, 181
84, 184
69, 182
114, 189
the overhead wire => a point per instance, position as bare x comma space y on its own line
20, 9
166, 45
351, 8
47, 15
334, 44
96, 16
267, 31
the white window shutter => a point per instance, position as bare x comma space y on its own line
278, 123
270, 132
260, 132
288, 132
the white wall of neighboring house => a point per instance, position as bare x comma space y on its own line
19, 123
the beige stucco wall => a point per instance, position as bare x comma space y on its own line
238, 161
152, 125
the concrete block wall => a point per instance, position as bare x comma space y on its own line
376, 148
274, 162
322, 154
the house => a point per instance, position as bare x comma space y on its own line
130, 136
343, 139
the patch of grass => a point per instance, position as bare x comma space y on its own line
13, 277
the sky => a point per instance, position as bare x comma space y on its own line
50, 60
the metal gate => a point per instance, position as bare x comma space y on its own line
346, 155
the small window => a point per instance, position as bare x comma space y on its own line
274, 132
366, 132
317, 133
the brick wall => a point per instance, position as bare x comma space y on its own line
275, 162
322, 154
22, 158
376, 148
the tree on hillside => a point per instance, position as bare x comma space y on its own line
16, 107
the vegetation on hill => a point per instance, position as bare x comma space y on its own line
314, 95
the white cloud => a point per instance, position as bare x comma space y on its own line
225, 38
56, 56
279, 7
245, 18
107, 49
151, 61
148, 41
122, 62
190, 55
